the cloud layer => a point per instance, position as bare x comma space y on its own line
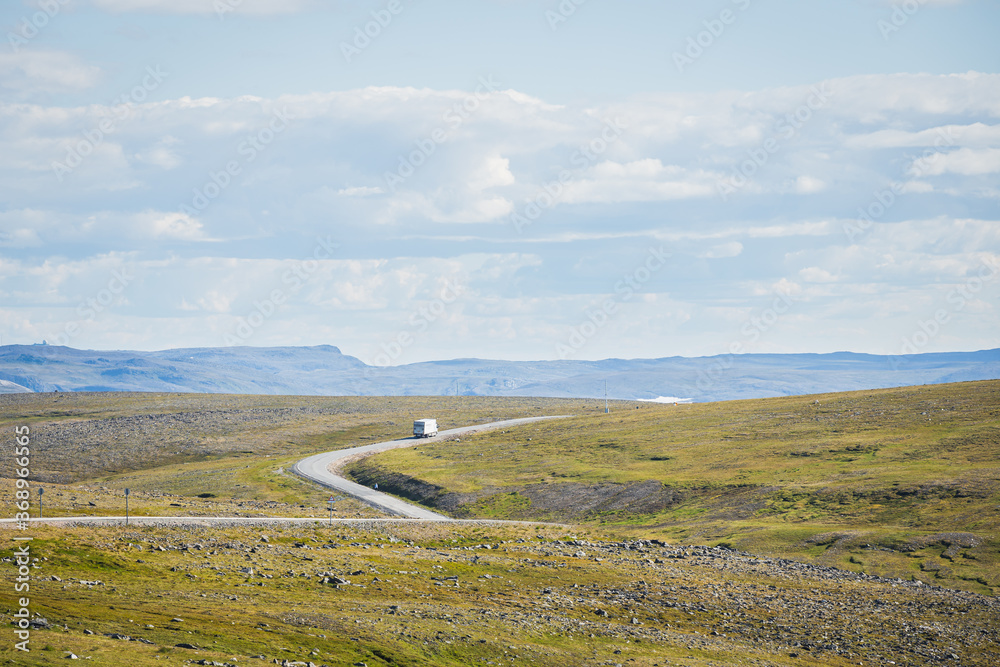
195, 172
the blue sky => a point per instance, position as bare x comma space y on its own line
522, 179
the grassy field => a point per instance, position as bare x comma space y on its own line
222, 455
436, 595
900, 482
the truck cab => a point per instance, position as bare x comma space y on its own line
425, 428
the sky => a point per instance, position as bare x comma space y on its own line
512, 179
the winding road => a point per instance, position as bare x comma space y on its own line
320, 469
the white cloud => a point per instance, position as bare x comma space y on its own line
723, 251
34, 71
102, 227
364, 191
655, 184
931, 3
673, 148
976, 135
221, 7
214, 301
815, 274
964, 161
642, 180
821, 228
809, 185
169, 225
493, 172
161, 154
917, 187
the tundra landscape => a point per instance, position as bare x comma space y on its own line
833, 529
696, 304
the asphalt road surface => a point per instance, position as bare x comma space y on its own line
316, 468
232, 521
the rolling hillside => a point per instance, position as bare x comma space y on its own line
896, 488
903, 482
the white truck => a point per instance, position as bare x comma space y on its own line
425, 428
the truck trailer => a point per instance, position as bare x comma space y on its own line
425, 428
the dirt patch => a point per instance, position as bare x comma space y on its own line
404, 486
568, 501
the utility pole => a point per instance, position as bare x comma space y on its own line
607, 410
126, 506
40, 490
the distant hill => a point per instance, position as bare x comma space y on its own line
324, 370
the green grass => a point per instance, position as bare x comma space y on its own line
901, 483
529, 599
85, 436
169, 449
767, 475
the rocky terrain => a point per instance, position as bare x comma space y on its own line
78, 436
393, 593
607, 591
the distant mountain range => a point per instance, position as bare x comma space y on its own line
324, 370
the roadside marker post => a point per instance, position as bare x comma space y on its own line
126, 506
40, 490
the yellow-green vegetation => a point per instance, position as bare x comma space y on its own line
80, 436
900, 482
458, 595
226, 455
